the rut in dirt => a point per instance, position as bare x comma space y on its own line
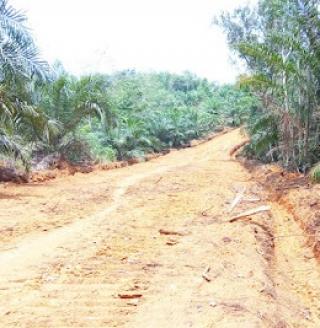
152, 245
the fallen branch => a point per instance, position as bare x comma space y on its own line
237, 200
171, 233
205, 274
205, 212
171, 242
129, 296
257, 210
251, 200
289, 187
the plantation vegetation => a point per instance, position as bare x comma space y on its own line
45, 110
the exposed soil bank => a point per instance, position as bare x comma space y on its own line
53, 169
297, 195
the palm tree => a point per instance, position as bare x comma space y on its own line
19, 66
279, 42
18, 52
69, 100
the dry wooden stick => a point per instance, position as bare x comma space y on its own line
129, 296
171, 233
251, 212
205, 274
237, 200
205, 212
251, 200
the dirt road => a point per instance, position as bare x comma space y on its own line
74, 249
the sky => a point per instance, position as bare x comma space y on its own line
108, 35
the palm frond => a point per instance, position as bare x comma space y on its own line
18, 53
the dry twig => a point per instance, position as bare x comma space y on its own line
205, 274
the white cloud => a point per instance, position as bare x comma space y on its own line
103, 35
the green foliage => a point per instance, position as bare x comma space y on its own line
129, 114
99, 146
101, 117
69, 100
157, 111
18, 55
279, 42
20, 69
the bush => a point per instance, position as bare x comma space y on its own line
75, 150
100, 150
315, 174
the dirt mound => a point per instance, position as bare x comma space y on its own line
12, 175
63, 169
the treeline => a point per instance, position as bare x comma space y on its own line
279, 42
46, 111
151, 112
